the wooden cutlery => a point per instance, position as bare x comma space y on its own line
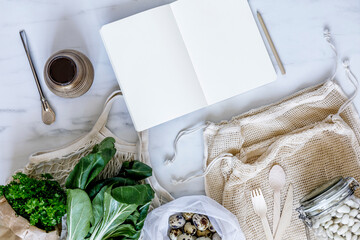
277, 182
280, 224
260, 209
286, 215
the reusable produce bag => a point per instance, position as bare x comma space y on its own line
301, 134
60, 162
314, 135
225, 223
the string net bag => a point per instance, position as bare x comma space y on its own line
60, 162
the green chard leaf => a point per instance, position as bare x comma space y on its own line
119, 205
79, 214
124, 230
98, 207
135, 170
138, 194
95, 187
115, 213
143, 213
133, 218
138, 217
91, 165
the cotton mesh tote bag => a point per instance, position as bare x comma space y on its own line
314, 135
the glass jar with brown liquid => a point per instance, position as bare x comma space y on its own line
68, 73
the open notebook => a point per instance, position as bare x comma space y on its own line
177, 58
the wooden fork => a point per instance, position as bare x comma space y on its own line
260, 209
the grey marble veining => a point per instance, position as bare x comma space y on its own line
295, 26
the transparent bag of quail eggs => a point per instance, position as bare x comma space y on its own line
192, 218
332, 211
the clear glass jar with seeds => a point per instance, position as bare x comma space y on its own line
332, 211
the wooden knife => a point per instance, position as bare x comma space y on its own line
286, 214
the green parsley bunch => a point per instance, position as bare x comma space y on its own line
42, 202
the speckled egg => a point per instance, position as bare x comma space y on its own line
189, 228
205, 233
211, 228
186, 236
188, 216
176, 221
203, 238
216, 236
201, 222
175, 233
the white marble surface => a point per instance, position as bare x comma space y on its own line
296, 28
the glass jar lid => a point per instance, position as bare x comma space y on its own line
326, 196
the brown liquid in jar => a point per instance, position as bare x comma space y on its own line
68, 73
62, 70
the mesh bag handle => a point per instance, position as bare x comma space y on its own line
60, 162
84, 141
103, 118
162, 196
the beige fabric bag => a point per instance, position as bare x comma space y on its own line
60, 162
301, 134
314, 135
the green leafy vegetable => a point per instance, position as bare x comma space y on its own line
138, 217
95, 187
135, 170
42, 202
125, 230
79, 213
139, 194
115, 213
143, 211
91, 165
119, 205
98, 207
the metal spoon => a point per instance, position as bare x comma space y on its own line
277, 182
47, 114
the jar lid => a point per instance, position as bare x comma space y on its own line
322, 190
327, 195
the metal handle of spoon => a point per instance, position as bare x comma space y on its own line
48, 115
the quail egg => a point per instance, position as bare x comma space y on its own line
176, 221
188, 216
205, 233
203, 238
174, 233
201, 222
189, 228
185, 236
211, 228
216, 236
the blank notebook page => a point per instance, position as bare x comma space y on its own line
153, 67
225, 46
